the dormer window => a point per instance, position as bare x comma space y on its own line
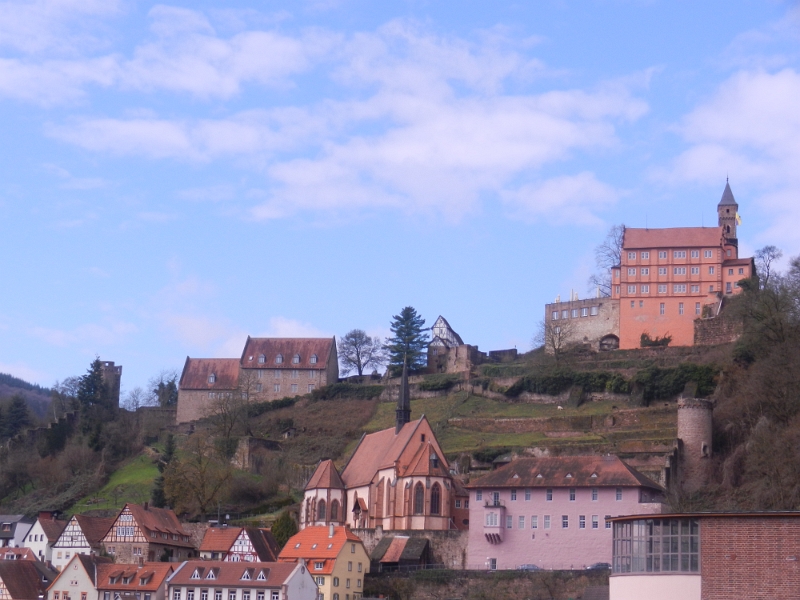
212, 378
297, 545
262, 359
313, 359
196, 575
434, 461
594, 475
569, 475
539, 476
296, 359
279, 359
247, 575
262, 575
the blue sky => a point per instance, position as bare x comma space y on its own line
174, 177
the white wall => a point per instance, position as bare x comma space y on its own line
654, 586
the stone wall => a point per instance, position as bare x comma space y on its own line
449, 548
588, 329
721, 329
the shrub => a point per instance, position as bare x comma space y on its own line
657, 383
560, 380
647, 342
487, 455
439, 381
346, 390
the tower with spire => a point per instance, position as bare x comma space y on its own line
727, 210
403, 411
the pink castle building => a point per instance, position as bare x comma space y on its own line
553, 512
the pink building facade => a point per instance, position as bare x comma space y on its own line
553, 512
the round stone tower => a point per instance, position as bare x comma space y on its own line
694, 433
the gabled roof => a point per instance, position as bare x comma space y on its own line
326, 476
91, 564
264, 543
422, 464
219, 539
674, 237
52, 528
160, 520
727, 196
196, 372
22, 579
287, 348
94, 528
399, 548
17, 554
154, 574
444, 335
229, 574
16, 521
313, 544
564, 471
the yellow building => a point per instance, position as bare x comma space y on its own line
336, 559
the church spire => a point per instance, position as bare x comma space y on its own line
403, 411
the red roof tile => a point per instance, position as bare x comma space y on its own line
326, 476
52, 528
564, 471
302, 544
270, 348
155, 574
160, 520
229, 574
17, 554
94, 528
196, 372
22, 579
395, 550
219, 539
676, 237
421, 464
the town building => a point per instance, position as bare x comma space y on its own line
239, 544
132, 582
397, 478
78, 579
269, 369
82, 535
447, 352
44, 533
706, 556
143, 533
218, 580
336, 559
401, 553
553, 512
17, 554
13, 530
24, 579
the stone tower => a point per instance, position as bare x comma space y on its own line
694, 434
727, 211
112, 376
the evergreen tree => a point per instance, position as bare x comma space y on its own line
409, 342
158, 497
95, 403
18, 417
2, 424
283, 528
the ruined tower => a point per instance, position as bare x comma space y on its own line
694, 435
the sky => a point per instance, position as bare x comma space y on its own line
175, 177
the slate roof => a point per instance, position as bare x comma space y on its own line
52, 528
94, 528
674, 237
325, 476
16, 521
564, 471
287, 347
727, 196
22, 579
154, 574
197, 370
229, 574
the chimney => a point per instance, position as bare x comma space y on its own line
330, 530
147, 506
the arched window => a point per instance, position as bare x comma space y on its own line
296, 359
436, 499
279, 359
334, 510
419, 499
262, 359
321, 510
313, 359
212, 378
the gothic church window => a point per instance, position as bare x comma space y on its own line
419, 499
436, 499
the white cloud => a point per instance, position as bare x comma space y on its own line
26, 372
108, 332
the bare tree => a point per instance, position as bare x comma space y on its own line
607, 254
764, 258
555, 336
358, 352
135, 399
163, 389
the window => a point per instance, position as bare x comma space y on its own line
321, 513
190, 595
296, 359
419, 499
679, 271
262, 359
656, 545
279, 359
741, 270
295, 374
594, 494
565, 314
310, 387
679, 254
522, 522
710, 270
347, 584
619, 494
334, 510
616, 290
584, 312
276, 595
549, 494
645, 255
662, 289
695, 254
730, 271
641, 303
232, 595
554, 316
319, 580
574, 313
595, 522
534, 522
176, 595
313, 360
513, 494
527, 495
217, 594
572, 494
491, 519
436, 495
728, 289
679, 288
645, 289
276, 388
509, 521
608, 522
212, 378
695, 270
582, 522
661, 308
711, 288
493, 564
593, 311
707, 254
564, 521
258, 387
646, 271
662, 254
294, 387
662, 270
335, 582
479, 495
631, 289
349, 565
547, 521
277, 374
458, 503
695, 289
203, 594
680, 308
631, 271
631, 255
260, 594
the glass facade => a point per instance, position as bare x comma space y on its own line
656, 546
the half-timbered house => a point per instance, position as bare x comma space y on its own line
239, 544
82, 535
141, 533
44, 533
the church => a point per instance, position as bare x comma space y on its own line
396, 479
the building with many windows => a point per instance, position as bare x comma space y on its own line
82, 535
44, 533
217, 580
142, 533
553, 512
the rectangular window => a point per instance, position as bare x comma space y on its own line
491, 519
679, 254
707, 253
204, 595
260, 373
645, 255
695, 253
730, 271
549, 494
711, 288
547, 521
176, 595
633, 303
479, 495
564, 521
217, 594
631, 255
619, 494
276, 373
312, 374
522, 522
295, 374
695, 270
527, 494
679, 271
190, 595
258, 387
513, 494
645, 271
321, 580
661, 308
260, 595
349, 565
641, 303
710, 270
679, 288
276, 388
728, 288
572, 494
662, 270
697, 308
555, 315
741, 270
631, 289
509, 521
458, 503
574, 313
310, 387
584, 312
534, 522
616, 290
680, 308
645, 289
695, 289
594, 494
595, 522
565, 314
582, 522
662, 254
294, 387
631, 271
593, 311
232, 595
608, 522
493, 564
276, 595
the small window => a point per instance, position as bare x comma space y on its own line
619, 494
679, 271
296, 359
262, 359
582, 522
741, 270
279, 359
593, 311
565, 314
645, 255
574, 313
276, 388
710, 270
697, 308
479, 495
631, 255
584, 312
310, 387
212, 378
680, 308
547, 521
711, 288
313, 359
335, 582
695, 253
458, 503
679, 288
646, 271
679, 254
527, 494
509, 521
608, 521
631, 289
662, 254
707, 253
595, 522
549, 494
534, 522
662, 308
564, 521
522, 522
294, 388
513, 494
258, 387
572, 494
594, 494
662, 270
631, 271
695, 289
645, 289
695, 270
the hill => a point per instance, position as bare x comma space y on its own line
37, 397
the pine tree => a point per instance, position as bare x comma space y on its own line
409, 342
97, 407
18, 417
158, 497
283, 528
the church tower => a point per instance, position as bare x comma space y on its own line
728, 212
403, 411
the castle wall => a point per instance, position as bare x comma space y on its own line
695, 435
583, 327
721, 329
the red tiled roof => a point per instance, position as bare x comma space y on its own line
564, 471
17, 554
196, 372
22, 579
301, 545
52, 528
288, 348
155, 573
160, 520
94, 528
422, 466
326, 476
395, 550
219, 539
229, 574
675, 237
